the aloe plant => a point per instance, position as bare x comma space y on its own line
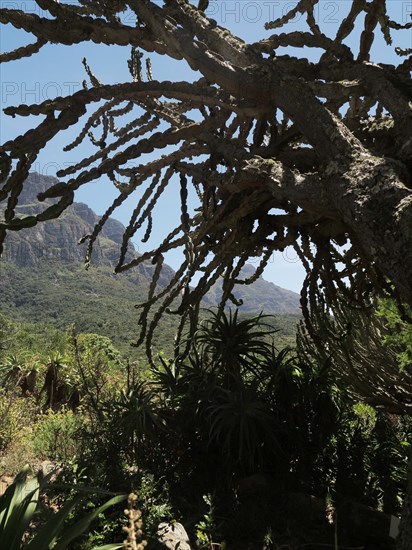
18, 506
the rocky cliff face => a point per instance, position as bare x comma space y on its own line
57, 241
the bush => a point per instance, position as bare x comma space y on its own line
16, 415
59, 435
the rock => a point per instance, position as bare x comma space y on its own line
58, 239
173, 536
362, 522
5, 481
47, 467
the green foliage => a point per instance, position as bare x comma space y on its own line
22, 500
234, 343
59, 435
25, 340
154, 499
224, 418
5, 329
61, 294
16, 416
17, 507
10, 370
56, 295
242, 426
94, 347
399, 337
96, 370
234, 407
207, 530
135, 418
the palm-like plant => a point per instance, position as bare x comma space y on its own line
18, 374
187, 383
11, 371
54, 386
136, 416
233, 344
168, 378
218, 394
279, 371
243, 426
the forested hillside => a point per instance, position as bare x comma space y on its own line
43, 279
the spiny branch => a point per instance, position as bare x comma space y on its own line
327, 142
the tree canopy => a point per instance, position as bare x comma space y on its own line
281, 150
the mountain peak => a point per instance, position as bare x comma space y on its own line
58, 240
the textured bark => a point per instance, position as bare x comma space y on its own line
368, 195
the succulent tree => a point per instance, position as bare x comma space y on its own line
279, 149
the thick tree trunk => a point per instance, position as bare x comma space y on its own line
368, 195
376, 204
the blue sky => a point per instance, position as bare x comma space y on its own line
57, 70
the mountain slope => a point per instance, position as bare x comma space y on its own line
259, 296
42, 275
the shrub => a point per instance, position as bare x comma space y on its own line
16, 415
59, 435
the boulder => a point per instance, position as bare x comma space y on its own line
173, 536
